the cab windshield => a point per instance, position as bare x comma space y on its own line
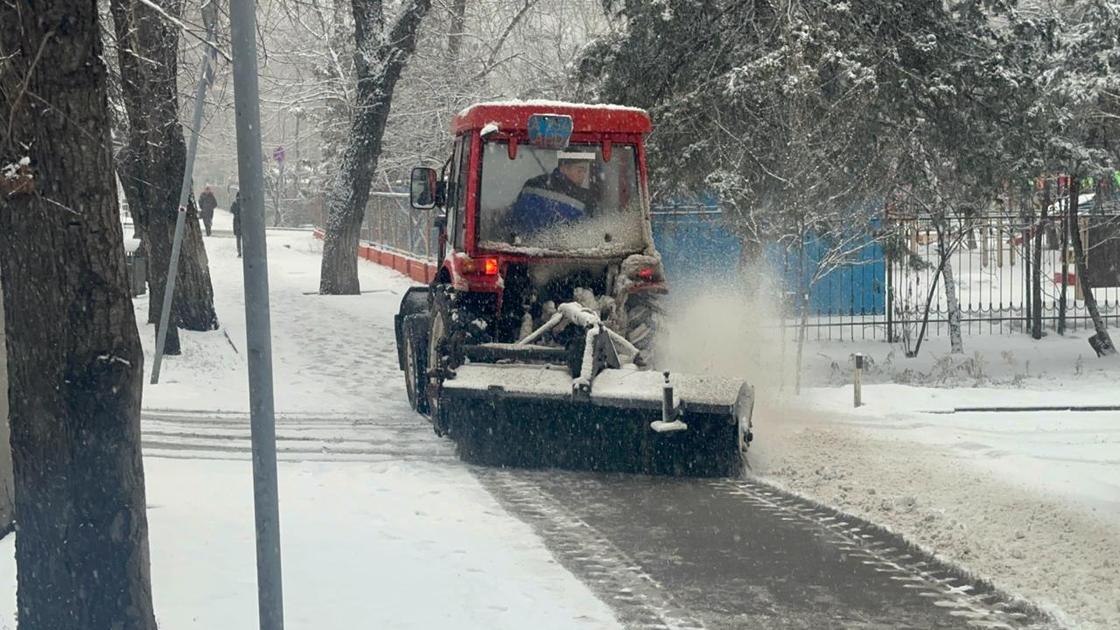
570, 201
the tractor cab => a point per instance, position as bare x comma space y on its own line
530, 186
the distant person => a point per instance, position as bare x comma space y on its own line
561, 196
235, 210
206, 205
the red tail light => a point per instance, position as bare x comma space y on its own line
647, 273
483, 266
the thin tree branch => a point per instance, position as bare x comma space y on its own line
23, 88
183, 27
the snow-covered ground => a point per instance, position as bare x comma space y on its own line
381, 526
223, 220
1028, 500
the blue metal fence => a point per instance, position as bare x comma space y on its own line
695, 247
699, 251
855, 288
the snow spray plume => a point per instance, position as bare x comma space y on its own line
731, 327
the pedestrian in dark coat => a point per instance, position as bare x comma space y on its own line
235, 210
206, 205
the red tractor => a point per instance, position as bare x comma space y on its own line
535, 343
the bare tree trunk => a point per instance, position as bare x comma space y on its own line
1036, 276
956, 344
147, 46
194, 294
803, 325
1062, 299
455, 32
156, 230
134, 197
1083, 276
802, 329
7, 489
74, 357
952, 304
379, 59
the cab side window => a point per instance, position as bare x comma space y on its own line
452, 197
463, 173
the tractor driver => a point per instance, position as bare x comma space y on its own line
564, 195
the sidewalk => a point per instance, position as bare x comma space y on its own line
381, 526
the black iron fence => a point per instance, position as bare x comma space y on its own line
989, 264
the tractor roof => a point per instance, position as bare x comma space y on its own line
514, 116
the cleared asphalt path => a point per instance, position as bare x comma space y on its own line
740, 554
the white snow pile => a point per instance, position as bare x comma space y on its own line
1029, 500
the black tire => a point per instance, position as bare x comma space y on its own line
443, 353
415, 333
643, 324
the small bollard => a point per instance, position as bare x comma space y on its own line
858, 381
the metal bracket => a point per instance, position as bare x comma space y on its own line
670, 413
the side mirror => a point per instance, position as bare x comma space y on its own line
423, 188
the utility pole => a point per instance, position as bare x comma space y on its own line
258, 327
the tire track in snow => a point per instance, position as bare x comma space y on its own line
299, 437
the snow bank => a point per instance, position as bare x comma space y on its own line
998, 516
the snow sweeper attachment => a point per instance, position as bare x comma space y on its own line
589, 407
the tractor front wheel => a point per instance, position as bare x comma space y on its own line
643, 324
444, 353
415, 329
